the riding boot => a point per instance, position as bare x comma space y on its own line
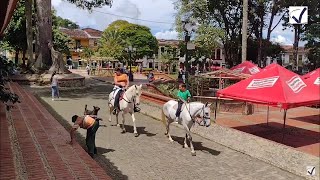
136, 108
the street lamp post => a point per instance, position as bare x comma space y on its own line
188, 27
130, 50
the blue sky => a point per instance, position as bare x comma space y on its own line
154, 10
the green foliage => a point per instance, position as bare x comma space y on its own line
15, 34
87, 53
90, 4
169, 89
121, 34
60, 22
6, 69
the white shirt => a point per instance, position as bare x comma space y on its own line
54, 81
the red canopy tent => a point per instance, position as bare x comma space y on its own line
275, 86
312, 74
246, 67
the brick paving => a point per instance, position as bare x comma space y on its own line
151, 155
39, 146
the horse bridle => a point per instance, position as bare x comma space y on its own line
205, 116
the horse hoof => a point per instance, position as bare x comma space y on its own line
118, 125
185, 146
193, 153
166, 133
136, 134
123, 131
109, 120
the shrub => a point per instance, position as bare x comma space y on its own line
6, 69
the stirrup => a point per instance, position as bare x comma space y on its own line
136, 109
114, 112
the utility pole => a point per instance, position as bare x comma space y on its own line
244, 31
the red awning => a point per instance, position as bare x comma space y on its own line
274, 86
312, 79
246, 67
313, 74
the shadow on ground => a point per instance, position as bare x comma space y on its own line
105, 163
290, 136
141, 130
197, 146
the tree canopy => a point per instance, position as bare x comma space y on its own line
121, 34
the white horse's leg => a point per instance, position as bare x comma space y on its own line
188, 134
168, 131
117, 119
110, 113
134, 125
185, 141
123, 121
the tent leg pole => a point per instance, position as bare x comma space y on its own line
268, 117
215, 110
284, 123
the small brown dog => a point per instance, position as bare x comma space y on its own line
93, 113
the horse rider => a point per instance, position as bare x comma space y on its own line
184, 96
121, 83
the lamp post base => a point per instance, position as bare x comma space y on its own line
130, 76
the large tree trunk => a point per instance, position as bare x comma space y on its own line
44, 24
244, 31
28, 6
23, 58
261, 16
296, 45
16, 58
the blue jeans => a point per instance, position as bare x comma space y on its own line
55, 91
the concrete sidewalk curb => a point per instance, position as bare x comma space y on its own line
265, 150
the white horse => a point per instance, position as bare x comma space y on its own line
190, 113
130, 97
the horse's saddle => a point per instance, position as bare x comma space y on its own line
121, 95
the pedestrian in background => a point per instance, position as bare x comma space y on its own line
88, 69
54, 85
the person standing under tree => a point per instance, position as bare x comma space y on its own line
91, 125
184, 97
88, 69
54, 85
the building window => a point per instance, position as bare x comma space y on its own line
218, 53
290, 58
95, 43
162, 49
78, 44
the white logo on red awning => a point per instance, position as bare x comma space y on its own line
317, 81
254, 70
263, 83
296, 84
239, 70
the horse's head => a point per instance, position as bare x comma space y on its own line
205, 115
134, 92
138, 92
96, 110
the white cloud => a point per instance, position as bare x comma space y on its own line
167, 35
154, 10
56, 3
279, 39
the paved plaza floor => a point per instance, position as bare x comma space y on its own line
151, 155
